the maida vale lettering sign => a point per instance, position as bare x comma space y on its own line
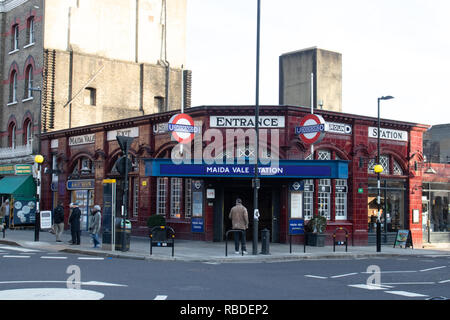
83, 139
388, 134
246, 121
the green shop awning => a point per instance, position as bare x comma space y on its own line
18, 186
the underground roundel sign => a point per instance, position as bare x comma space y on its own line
311, 129
182, 128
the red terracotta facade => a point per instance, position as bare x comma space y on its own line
357, 148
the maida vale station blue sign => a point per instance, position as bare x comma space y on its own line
331, 169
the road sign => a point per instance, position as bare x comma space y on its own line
311, 129
182, 128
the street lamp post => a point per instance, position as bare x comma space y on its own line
38, 159
378, 170
256, 181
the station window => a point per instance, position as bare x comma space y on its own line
341, 199
308, 199
324, 198
175, 197
188, 198
161, 196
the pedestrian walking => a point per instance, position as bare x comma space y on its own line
239, 218
74, 221
3, 218
95, 224
58, 221
4, 214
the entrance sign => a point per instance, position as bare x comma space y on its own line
246, 121
311, 129
182, 128
403, 238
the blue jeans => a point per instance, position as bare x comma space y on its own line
95, 239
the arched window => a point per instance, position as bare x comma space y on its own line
15, 37
28, 82
27, 132
13, 87
384, 161
30, 30
83, 166
12, 135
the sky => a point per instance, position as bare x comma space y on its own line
389, 47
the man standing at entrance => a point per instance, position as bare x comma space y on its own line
74, 221
239, 219
58, 219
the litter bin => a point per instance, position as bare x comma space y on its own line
265, 240
121, 233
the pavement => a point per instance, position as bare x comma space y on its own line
212, 252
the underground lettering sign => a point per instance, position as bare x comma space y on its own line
311, 129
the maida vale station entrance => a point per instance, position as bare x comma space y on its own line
222, 184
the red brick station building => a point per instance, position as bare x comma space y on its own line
336, 181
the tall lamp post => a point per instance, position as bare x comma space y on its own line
378, 170
256, 181
38, 159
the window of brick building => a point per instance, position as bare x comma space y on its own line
13, 87
30, 30
15, 37
90, 96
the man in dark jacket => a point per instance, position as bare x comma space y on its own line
74, 221
58, 221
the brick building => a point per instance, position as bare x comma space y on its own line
72, 63
435, 167
336, 181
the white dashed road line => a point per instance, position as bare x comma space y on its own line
12, 256
316, 277
91, 258
160, 298
54, 257
435, 268
344, 275
369, 287
407, 294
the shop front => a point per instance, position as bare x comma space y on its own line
436, 209
20, 190
82, 192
